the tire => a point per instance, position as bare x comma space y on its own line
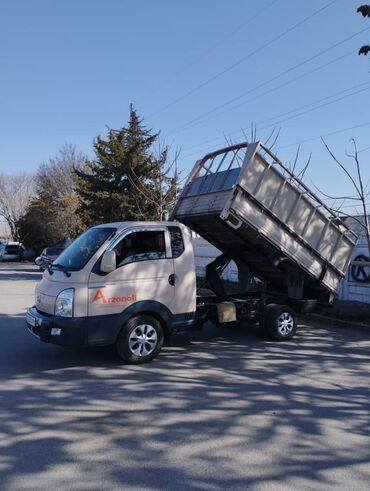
279, 322
263, 320
140, 340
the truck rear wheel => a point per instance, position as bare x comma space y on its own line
140, 340
280, 322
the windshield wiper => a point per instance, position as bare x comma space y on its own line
61, 267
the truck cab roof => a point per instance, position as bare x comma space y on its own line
127, 224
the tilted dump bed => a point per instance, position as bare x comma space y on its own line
244, 201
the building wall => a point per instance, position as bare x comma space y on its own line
351, 288
204, 253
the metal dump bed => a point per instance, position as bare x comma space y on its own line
248, 204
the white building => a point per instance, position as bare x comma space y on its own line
204, 253
356, 285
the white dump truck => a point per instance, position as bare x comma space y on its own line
134, 283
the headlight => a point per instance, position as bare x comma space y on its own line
64, 303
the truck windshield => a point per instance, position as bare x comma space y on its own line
76, 256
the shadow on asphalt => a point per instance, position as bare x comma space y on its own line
194, 418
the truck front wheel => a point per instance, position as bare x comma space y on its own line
280, 322
140, 340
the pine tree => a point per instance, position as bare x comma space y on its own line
163, 189
118, 184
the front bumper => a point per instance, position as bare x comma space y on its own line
65, 331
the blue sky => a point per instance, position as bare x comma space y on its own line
69, 69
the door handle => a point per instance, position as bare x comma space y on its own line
171, 279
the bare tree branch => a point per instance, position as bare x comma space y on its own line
296, 159
303, 171
362, 195
357, 182
341, 166
16, 191
269, 137
355, 198
275, 139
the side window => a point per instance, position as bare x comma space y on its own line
140, 246
177, 242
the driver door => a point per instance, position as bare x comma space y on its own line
145, 271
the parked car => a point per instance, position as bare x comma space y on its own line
2, 249
48, 255
13, 251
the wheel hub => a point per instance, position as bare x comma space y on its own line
143, 340
285, 323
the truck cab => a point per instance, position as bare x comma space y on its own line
128, 283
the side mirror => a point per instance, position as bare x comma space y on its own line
38, 261
108, 262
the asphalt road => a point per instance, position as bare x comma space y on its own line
219, 409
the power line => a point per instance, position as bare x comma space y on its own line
318, 137
215, 45
287, 83
244, 58
317, 107
266, 82
336, 132
347, 206
338, 204
283, 85
315, 102
287, 113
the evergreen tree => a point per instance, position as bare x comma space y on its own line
36, 229
163, 191
108, 186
